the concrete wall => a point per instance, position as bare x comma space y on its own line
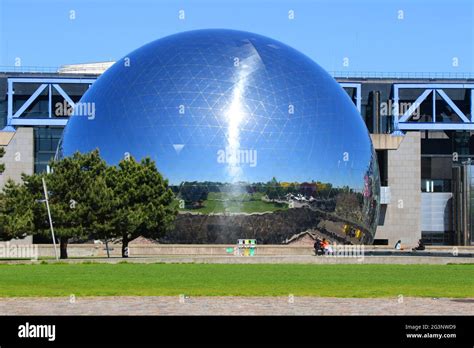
403, 215
182, 250
386, 141
19, 154
143, 250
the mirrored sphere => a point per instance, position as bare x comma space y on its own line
255, 139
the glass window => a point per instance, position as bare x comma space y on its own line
46, 142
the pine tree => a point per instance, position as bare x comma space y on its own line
88, 199
144, 202
69, 188
71, 184
16, 215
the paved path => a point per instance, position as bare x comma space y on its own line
167, 305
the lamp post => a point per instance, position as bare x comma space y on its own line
49, 216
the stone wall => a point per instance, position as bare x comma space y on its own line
403, 215
157, 250
19, 154
268, 228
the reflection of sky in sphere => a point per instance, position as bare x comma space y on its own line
225, 106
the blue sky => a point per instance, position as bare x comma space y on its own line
431, 35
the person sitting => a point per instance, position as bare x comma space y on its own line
324, 243
421, 246
329, 249
318, 248
398, 245
326, 246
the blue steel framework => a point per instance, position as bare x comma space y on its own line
14, 119
401, 122
358, 88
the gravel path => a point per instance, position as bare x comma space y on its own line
167, 305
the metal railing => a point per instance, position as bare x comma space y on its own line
28, 69
402, 75
47, 69
336, 74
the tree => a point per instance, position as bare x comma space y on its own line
88, 199
16, 215
273, 189
69, 191
192, 192
143, 201
102, 205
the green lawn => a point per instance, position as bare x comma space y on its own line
95, 279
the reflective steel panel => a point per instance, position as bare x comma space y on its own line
257, 140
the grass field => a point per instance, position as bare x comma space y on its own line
218, 202
95, 279
211, 206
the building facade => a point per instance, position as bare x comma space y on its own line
421, 128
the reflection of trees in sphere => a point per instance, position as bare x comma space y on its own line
256, 140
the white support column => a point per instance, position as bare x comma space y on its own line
472, 105
50, 100
395, 110
10, 103
359, 98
